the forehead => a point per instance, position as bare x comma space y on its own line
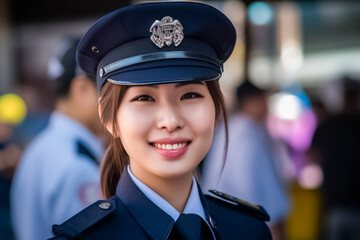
170, 85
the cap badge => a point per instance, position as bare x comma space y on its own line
166, 31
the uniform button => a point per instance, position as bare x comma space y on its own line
104, 205
212, 222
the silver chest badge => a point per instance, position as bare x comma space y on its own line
166, 31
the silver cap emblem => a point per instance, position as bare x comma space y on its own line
166, 31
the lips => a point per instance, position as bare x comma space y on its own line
171, 148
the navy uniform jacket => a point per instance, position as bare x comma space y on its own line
131, 215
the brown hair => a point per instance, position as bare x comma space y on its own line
116, 158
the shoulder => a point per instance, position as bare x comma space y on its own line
238, 205
231, 215
38, 142
241, 126
55, 145
104, 219
75, 227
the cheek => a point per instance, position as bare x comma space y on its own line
132, 125
203, 120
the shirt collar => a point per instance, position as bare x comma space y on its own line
64, 124
193, 204
132, 192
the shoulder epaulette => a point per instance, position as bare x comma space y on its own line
256, 210
76, 225
83, 150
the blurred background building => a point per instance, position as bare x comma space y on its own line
298, 49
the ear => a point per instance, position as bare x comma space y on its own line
108, 126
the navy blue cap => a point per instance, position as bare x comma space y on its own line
159, 42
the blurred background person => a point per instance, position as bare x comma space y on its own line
251, 170
336, 147
58, 174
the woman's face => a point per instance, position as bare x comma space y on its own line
166, 129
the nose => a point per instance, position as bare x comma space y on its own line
170, 118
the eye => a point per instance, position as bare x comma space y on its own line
191, 95
143, 98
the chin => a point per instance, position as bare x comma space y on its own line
172, 172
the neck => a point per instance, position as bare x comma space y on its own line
259, 118
69, 109
175, 191
65, 107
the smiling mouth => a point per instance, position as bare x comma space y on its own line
170, 146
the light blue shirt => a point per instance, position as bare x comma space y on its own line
251, 168
193, 205
53, 181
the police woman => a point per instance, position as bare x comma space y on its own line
157, 67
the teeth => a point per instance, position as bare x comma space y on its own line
170, 146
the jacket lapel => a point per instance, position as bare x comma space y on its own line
210, 219
150, 217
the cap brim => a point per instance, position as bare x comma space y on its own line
166, 71
159, 76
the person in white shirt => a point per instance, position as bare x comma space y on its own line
251, 170
58, 174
